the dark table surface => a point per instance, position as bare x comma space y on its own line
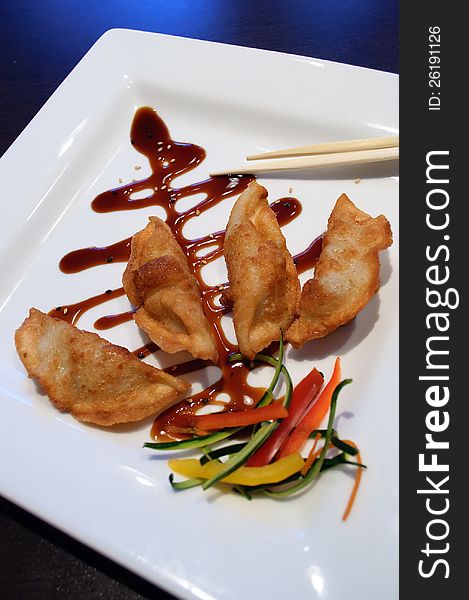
40, 43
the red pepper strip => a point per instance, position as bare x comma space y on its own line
313, 418
239, 418
303, 394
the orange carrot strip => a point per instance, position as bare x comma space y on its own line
313, 454
313, 418
239, 418
356, 485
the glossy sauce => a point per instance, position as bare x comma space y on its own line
307, 259
72, 312
169, 159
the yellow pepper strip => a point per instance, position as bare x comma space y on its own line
273, 473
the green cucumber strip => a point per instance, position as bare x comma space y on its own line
322, 433
288, 382
241, 457
329, 463
317, 465
271, 361
196, 442
184, 485
240, 489
340, 445
206, 451
259, 488
275, 362
340, 459
231, 449
267, 396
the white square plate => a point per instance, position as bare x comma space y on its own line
100, 486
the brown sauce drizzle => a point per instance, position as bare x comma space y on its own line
85, 258
169, 159
109, 321
146, 350
307, 259
72, 312
188, 367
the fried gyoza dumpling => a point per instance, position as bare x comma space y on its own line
94, 380
157, 280
264, 286
346, 275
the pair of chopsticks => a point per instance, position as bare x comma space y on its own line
330, 154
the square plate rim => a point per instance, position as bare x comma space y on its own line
55, 97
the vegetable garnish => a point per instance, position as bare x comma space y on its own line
274, 433
241, 457
239, 418
316, 468
356, 485
184, 485
313, 454
267, 397
206, 440
250, 476
224, 451
196, 442
303, 394
313, 417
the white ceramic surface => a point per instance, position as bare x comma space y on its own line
100, 486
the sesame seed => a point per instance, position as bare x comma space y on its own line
197, 212
211, 236
120, 179
357, 180
160, 143
65, 311
290, 190
156, 188
168, 147
174, 367
137, 167
141, 355
172, 160
160, 149
163, 187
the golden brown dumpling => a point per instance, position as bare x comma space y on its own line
157, 280
346, 275
94, 380
264, 286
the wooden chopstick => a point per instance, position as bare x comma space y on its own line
330, 148
310, 162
